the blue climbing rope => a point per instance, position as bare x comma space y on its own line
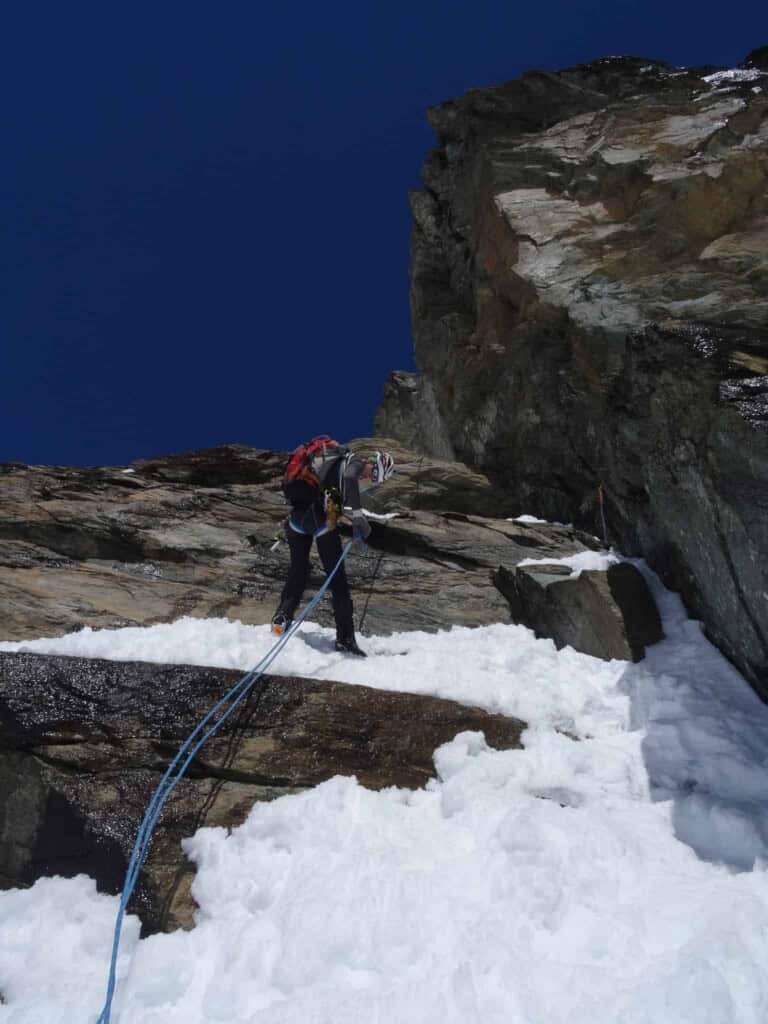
177, 768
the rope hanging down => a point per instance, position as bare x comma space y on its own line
370, 591
177, 768
601, 499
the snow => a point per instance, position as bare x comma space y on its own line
599, 560
526, 519
382, 516
617, 878
501, 668
734, 75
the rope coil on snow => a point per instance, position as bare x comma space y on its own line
177, 768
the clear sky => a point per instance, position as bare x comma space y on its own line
204, 206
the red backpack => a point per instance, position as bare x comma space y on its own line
304, 472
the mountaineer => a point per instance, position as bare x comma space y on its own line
323, 478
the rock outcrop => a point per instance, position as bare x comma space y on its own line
608, 614
590, 298
192, 534
84, 743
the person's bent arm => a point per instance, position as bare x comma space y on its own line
351, 488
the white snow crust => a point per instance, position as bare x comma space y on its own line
599, 560
612, 872
734, 75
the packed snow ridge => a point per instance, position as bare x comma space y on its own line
612, 872
577, 563
734, 75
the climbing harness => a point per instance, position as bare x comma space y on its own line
178, 767
332, 506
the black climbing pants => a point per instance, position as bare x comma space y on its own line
329, 549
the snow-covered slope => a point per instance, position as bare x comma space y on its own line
620, 877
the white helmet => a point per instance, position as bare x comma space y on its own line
383, 467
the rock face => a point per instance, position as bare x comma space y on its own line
192, 535
608, 614
589, 297
85, 742
410, 412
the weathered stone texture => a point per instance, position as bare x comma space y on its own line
85, 742
589, 293
409, 412
192, 535
608, 614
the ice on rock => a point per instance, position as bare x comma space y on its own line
599, 560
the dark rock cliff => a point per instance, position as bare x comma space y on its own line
589, 293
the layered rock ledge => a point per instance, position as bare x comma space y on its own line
192, 534
85, 742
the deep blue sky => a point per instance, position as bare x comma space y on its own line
204, 205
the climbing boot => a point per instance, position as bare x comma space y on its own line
348, 645
281, 623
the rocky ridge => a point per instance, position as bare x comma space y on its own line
589, 295
192, 534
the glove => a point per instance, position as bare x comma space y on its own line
361, 528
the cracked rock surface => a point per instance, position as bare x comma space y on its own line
192, 534
84, 743
589, 296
